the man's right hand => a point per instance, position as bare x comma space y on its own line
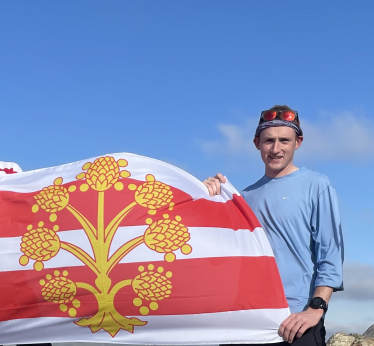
214, 184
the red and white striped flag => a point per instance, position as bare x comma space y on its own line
127, 249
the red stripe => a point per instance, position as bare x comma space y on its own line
205, 285
8, 170
16, 214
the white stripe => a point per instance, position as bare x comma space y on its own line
138, 166
205, 242
13, 165
246, 326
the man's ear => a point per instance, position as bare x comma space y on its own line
299, 140
256, 141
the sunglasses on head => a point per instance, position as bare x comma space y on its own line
287, 115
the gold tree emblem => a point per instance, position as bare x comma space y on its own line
165, 236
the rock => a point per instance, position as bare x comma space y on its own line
365, 342
341, 339
357, 337
369, 332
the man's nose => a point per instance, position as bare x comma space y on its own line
276, 147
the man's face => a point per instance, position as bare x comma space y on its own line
277, 146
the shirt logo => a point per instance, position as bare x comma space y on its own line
285, 197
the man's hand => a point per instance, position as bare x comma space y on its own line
297, 324
214, 184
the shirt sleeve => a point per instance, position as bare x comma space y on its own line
328, 240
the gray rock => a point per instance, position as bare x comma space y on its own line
365, 342
341, 339
369, 332
357, 337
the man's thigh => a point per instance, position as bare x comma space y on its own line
314, 336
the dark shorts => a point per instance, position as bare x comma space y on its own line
314, 336
34, 345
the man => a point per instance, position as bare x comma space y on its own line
12, 168
298, 210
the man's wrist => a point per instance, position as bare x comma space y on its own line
316, 312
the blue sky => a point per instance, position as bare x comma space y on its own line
185, 82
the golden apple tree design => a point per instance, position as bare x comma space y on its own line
165, 236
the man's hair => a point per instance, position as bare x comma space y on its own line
280, 108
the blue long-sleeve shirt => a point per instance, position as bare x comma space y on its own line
299, 213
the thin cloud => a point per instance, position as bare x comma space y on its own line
347, 328
351, 311
331, 137
235, 140
358, 282
338, 138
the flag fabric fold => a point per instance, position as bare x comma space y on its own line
127, 249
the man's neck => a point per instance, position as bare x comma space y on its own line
282, 173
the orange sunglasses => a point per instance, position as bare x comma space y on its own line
285, 115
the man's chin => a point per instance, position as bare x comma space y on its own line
276, 166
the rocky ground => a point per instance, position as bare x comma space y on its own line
342, 339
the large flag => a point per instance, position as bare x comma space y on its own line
127, 249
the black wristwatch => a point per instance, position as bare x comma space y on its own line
318, 303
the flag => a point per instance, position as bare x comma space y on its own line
127, 249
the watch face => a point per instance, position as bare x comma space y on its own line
317, 301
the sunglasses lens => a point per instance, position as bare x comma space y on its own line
288, 115
269, 115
